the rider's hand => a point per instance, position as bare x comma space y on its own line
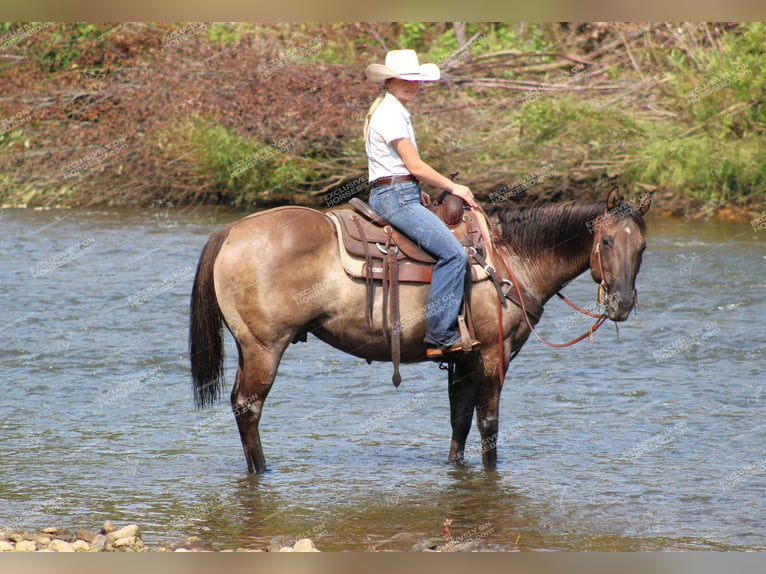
425, 199
464, 193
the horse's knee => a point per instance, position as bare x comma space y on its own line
487, 424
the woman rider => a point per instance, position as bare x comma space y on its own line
395, 172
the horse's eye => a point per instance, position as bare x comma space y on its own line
607, 241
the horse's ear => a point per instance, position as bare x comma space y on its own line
644, 203
613, 199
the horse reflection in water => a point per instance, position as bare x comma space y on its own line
276, 275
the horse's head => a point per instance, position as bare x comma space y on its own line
620, 240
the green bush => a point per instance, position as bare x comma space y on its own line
247, 171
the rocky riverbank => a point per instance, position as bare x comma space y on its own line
109, 538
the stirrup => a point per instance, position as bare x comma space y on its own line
440, 352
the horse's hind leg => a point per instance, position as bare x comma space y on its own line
255, 375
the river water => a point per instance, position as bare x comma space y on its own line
649, 440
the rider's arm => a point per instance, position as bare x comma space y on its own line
427, 174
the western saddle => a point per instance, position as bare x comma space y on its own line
374, 251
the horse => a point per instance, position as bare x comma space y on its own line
274, 276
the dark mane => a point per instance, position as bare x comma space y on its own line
530, 230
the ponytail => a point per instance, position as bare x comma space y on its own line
371, 111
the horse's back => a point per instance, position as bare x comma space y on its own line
281, 232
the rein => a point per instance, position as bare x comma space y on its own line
600, 318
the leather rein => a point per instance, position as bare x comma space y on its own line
493, 249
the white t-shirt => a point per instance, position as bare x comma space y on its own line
389, 122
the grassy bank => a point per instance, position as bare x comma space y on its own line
259, 115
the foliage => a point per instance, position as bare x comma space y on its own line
248, 171
675, 106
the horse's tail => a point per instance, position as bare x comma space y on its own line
206, 327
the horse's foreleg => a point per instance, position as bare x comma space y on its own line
487, 410
462, 398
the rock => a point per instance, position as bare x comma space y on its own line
15, 537
130, 541
190, 542
186, 549
85, 535
129, 531
26, 546
280, 541
108, 527
60, 546
98, 544
305, 545
125, 541
6, 546
5, 533
43, 540
81, 546
52, 531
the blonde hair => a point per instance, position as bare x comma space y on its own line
372, 109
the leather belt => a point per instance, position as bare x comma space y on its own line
393, 179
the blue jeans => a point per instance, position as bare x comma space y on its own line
399, 204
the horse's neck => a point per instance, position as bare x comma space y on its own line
545, 273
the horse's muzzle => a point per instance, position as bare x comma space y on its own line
619, 303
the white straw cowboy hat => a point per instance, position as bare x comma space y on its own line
404, 65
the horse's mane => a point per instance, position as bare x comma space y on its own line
530, 230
